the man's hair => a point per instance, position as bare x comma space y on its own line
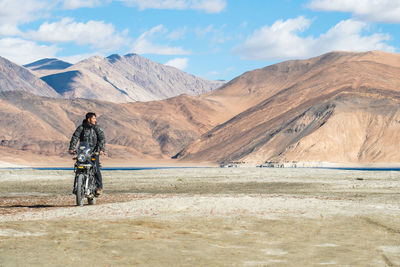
90, 115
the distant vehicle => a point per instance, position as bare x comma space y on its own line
85, 169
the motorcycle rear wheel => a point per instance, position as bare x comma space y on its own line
80, 190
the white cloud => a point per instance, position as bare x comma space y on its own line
371, 10
209, 6
21, 51
216, 34
347, 35
179, 63
282, 40
144, 44
16, 12
213, 73
95, 33
8, 29
75, 4
177, 34
219, 35
201, 32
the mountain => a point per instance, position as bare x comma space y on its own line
338, 107
125, 79
43, 126
16, 78
47, 66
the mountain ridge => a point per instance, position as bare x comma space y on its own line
133, 130
125, 79
16, 78
48, 63
338, 107
236, 139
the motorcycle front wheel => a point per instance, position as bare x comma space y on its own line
92, 201
80, 190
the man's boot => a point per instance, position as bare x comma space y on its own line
99, 191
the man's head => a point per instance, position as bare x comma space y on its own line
91, 117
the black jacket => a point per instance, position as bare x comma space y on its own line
89, 133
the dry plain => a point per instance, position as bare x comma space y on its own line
203, 217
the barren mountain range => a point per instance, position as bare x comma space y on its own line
339, 107
14, 77
47, 66
150, 130
120, 79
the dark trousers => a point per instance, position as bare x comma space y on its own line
97, 176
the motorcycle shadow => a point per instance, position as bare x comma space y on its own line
39, 206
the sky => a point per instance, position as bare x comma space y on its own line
213, 39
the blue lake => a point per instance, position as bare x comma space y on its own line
362, 168
160, 168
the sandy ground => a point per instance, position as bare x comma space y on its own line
203, 217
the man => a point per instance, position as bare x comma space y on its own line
92, 133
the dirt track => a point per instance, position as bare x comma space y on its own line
203, 217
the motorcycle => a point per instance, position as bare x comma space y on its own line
85, 170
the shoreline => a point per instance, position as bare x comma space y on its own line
375, 167
133, 164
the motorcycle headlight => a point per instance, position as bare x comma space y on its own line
81, 158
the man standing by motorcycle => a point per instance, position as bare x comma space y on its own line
92, 133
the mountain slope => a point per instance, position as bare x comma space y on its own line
48, 64
338, 107
299, 118
255, 86
151, 130
125, 79
16, 78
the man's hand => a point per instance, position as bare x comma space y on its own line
71, 151
102, 152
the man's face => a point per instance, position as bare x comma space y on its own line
92, 120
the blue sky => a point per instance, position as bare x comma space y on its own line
214, 39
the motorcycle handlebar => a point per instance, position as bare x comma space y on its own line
74, 152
